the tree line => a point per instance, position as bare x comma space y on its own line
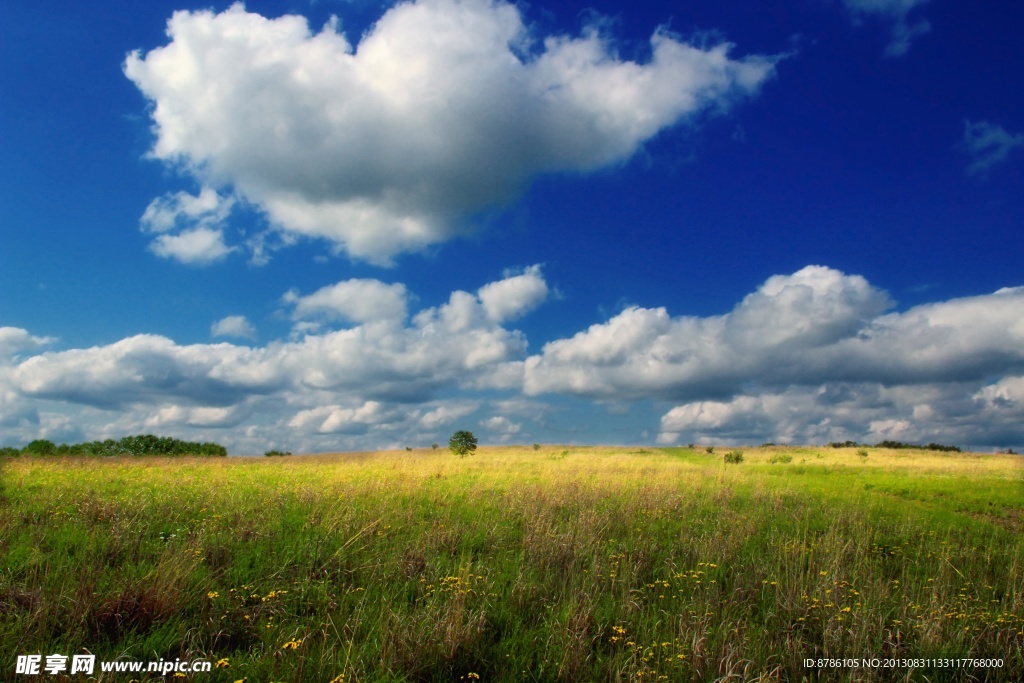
143, 444
896, 444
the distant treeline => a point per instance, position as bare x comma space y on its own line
895, 444
144, 444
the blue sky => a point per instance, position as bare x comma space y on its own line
334, 225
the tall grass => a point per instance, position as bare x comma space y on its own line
518, 564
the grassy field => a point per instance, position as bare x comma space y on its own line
516, 564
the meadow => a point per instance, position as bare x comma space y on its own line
517, 564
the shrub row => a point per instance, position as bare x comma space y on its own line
143, 444
896, 444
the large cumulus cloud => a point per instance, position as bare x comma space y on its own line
816, 325
444, 108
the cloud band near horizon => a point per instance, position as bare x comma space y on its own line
813, 356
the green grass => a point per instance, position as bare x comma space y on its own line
516, 564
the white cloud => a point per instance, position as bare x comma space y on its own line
444, 108
897, 14
181, 209
952, 413
189, 227
801, 414
233, 326
452, 345
14, 340
201, 416
195, 246
807, 357
987, 145
502, 428
772, 335
445, 415
515, 296
149, 369
500, 424
356, 300
337, 419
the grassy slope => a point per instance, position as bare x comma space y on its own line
572, 564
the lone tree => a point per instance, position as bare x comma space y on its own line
462, 443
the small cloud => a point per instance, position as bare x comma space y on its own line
987, 145
15, 339
335, 419
445, 415
503, 427
897, 13
184, 210
233, 326
514, 296
199, 246
357, 300
188, 228
201, 416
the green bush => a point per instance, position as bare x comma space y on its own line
734, 457
276, 453
780, 457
